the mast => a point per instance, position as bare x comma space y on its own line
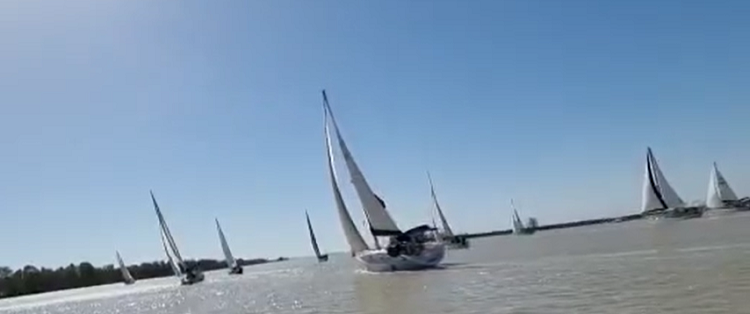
446, 228
313, 240
231, 262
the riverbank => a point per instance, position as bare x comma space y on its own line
564, 225
33, 280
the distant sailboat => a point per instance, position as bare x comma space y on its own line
405, 251
191, 275
720, 194
234, 267
447, 234
517, 224
314, 241
659, 198
126, 276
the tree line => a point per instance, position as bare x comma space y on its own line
30, 279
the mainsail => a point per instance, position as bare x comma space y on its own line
126, 276
313, 240
718, 190
446, 228
381, 223
657, 193
175, 268
170, 245
231, 262
353, 237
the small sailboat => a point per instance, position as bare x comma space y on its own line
127, 278
517, 224
314, 241
411, 250
446, 234
659, 199
188, 275
234, 267
720, 194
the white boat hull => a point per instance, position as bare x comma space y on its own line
379, 260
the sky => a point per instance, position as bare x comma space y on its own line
216, 107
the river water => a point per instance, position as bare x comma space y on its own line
692, 266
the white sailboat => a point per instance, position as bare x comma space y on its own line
516, 223
447, 235
410, 250
127, 278
314, 241
175, 268
659, 199
191, 275
720, 194
234, 267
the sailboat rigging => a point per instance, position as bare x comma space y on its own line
191, 274
447, 235
658, 198
407, 250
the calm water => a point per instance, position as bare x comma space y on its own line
695, 266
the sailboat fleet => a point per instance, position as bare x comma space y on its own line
424, 246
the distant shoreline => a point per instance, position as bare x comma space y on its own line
32, 280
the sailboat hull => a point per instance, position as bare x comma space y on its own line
379, 260
675, 213
188, 280
236, 270
456, 242
323, 258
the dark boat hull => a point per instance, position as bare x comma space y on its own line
236, 271
323, 258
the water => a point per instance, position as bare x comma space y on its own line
693, 266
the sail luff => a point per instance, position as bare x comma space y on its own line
313, 240
381, 223
353, 237
446, 228
229, 258
175, 268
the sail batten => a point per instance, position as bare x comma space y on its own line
228, 257
381, 223
356, 243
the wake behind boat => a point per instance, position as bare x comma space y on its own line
659, 200
127, 278
314, 242
234, 267
414, 249
446, 235
188, 275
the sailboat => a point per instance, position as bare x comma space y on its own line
234, 267
410, 250
127, 278
517, 224
314, 241
447, 235
188, 275
720, 194
659, 199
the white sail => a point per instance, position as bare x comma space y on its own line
231, 262
170, 260
719, 190
446, 228
657, 193
313, 240
353, 237
126, 276
171, 246
381, 223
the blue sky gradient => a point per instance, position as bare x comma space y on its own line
216, 106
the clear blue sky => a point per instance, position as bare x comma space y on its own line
215, 105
